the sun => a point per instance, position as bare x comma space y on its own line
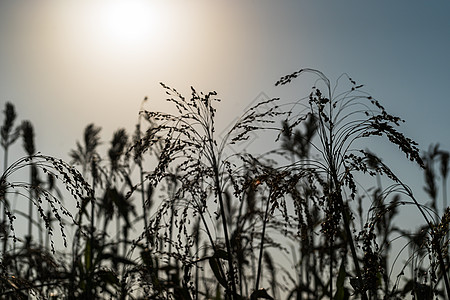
129, 21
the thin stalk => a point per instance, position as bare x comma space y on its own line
169, 259
444, 199
351, 243
298, 269
331, 267
385, 237
30, 207
40, 228
47, 236
213, 245
239, 229
331, 244
144, 206
444, 192
141, 178
196, 269
90, 271
124, 249
91, 254
118, 233
75, 248
262, 243
224, 223
5, 201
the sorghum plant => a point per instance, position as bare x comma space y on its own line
344, 118
192, 157
31, 269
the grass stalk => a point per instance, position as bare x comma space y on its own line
7, 137
30, 208
144, 206
224, 224
261, 247
92, 234
4, 199
351, 243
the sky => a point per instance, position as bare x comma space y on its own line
65, 64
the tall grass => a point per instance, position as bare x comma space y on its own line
169, 214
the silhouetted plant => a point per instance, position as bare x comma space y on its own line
191, 156
34, 278
343, 118
213, 225
83, 155
8, 135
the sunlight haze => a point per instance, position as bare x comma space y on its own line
94, 61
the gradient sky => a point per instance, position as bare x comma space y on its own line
65, 64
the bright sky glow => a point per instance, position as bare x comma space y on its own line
129, 21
